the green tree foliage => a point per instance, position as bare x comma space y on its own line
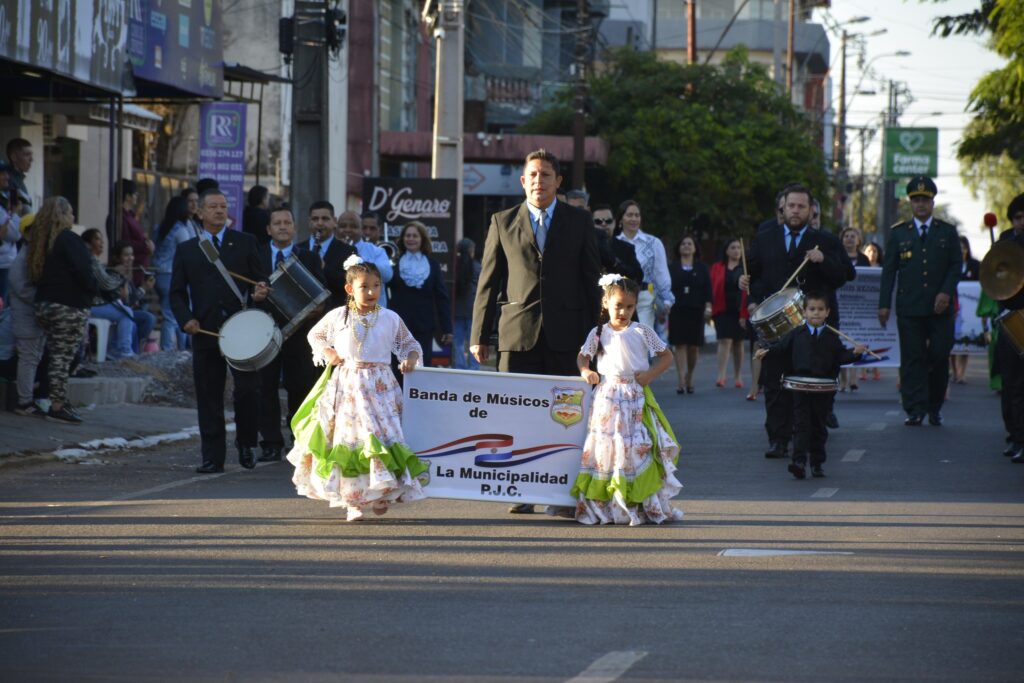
702, 148
997, 179
998, 98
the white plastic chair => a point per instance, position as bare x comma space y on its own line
102, 337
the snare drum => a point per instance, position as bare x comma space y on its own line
812, 385
295, 293
1011, 323
249, 340
779, 314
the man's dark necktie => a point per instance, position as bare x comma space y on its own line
793, 236
316, 247
279, 259
216, 242
924, 231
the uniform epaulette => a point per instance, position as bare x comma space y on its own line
901, 224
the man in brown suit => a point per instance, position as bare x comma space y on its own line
541, 265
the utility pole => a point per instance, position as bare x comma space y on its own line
691, 31
887, 202
447, 155
580, 100
789, 48
839, 173
319, 32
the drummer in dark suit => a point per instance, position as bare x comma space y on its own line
775, 254
812, 351
202, 299
925, 252
332, 251
1008, 359
294, 364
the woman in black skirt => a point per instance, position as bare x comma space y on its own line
729, 310
691, 286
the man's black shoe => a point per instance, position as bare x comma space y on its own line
521, 509
914, 420
797, 470
778, 450
65, 415
270, 454
1018, 458
1010, 451
247, 457
209, 468
935, 419
817, 472
831, 422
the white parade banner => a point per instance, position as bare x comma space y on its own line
858, 317
497, 436
968, 335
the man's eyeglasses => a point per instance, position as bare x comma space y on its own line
603, 221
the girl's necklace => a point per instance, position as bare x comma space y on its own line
366, 322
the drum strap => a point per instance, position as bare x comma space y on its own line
212, 254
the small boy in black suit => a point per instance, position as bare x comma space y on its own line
811, 350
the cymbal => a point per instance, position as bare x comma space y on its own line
1002, 270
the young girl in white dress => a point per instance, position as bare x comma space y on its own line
349, 447
627, 475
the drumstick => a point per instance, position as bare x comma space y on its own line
242, 278
743, 257
852, 341
212, 334
795, 272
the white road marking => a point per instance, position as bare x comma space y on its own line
609, 667
876, 426
824, 492
771, 552
853, 455
893, 412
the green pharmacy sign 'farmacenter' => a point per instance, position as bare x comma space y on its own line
911, 152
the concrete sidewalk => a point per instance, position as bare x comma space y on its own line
24, 436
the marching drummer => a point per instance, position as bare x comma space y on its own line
809, 354
202, 298
791, 254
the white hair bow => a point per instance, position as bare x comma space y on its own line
610, 279
352, 260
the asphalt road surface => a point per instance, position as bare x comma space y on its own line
904, 564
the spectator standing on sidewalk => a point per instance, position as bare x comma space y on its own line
9, 229
132, 231
174, 229
29, 338
60, 268
19, 157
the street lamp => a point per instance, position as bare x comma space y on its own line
925, 116
839, 151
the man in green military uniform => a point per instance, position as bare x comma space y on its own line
925, 252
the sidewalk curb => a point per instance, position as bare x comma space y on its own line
87, 449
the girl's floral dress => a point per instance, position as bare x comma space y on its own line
627, 474
349, 448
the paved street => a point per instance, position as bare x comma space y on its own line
904, 564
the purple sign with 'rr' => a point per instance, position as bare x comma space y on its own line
222, 152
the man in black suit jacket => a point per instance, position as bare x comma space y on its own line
332, 251
295, 362
775, 254
540, 262
202, 300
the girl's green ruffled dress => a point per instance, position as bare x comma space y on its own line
349, 447
627, 471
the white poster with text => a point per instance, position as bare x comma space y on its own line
497, 436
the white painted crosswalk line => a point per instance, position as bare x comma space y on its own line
824, 492
876, 426
609, 667
853, 455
